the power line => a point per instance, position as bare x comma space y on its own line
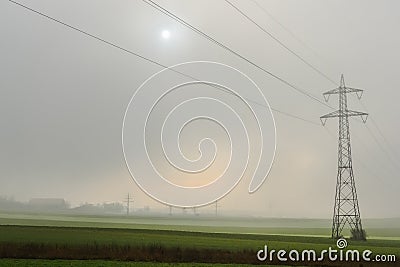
381, 147
368, 150
97, 38
274, 109
379, 130
310, 65
263, 9
376, 140
370, 117
211, 39
293, 35
359, 139
166, 67
295, 117
280, 42
85, 33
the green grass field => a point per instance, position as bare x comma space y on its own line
97, 238
102, 263
169, 238
97, 242
388, 229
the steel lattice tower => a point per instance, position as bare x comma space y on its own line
346, 209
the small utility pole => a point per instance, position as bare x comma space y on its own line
128, 203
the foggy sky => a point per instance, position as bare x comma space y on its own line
63, 96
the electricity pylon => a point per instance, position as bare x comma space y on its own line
346, 209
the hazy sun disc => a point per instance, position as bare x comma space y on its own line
165, 34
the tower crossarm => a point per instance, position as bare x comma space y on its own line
344, 113
344, 89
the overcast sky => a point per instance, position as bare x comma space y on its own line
63, 95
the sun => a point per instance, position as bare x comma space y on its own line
165, 34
